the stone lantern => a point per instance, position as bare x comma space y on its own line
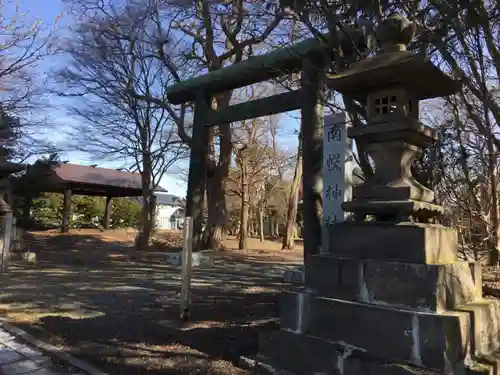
390, 85
390, 296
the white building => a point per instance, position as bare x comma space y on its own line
169, 211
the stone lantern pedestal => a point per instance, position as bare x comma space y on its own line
390, 297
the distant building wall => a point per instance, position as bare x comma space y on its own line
166, 217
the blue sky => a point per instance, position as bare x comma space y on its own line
50, 11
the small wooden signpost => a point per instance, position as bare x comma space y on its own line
187, 256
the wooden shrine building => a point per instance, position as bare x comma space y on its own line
69, 179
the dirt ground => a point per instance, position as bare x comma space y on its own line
87, 296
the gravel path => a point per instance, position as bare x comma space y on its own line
122, 315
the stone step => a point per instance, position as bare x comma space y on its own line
433, 288
301, 354
430, 340
281, 352
485, 365
485, 318
284, 352
481, 369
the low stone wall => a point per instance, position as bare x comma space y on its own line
198, 259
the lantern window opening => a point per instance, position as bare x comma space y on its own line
386, 104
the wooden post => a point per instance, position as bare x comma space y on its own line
187, 255
312, 162
66, 210
107, 213
198, 166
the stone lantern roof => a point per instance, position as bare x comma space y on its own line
394, 66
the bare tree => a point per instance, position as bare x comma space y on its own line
470, 49
253, 160
24, 44
293, 200
215, 35
111, 66
273, 194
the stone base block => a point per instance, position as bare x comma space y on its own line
398, 210
485, 316
403, 242
437, 341
433, 288
370, 191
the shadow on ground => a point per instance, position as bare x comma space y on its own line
87, 296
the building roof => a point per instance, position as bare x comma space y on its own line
169, 199
97, 176
82, 179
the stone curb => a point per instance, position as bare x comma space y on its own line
50, 350
260, 367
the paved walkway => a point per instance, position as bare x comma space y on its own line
18, 358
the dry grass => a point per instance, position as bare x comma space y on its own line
268, 250
125, 236
166, 241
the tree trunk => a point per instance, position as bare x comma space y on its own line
243, 239
216, 186
152, 212
261, 224
216, 199
293, 200
145, 224
276, 228
66, 219
245, 213
495, 226
251, 228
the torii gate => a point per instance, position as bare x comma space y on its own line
309, 57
